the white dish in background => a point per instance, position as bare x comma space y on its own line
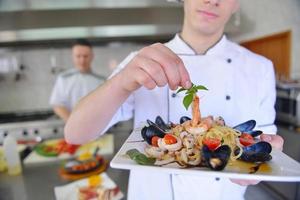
70, 191
105, 144
280, 168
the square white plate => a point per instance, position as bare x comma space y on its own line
70, 191
280, 168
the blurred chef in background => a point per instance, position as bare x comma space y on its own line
73, 84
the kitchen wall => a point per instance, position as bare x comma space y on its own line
33, 89
266, 17
258, 18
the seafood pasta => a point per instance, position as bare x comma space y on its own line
200, 141
227, 135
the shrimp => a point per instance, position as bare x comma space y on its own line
197, 125
196, 111
196, 130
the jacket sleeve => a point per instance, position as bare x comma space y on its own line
266, 112
59, 96
125, 112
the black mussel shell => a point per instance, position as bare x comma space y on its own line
258, 152
184, 119
217, 159
161, 124
246, 126
254, 133
152, 130
150, 122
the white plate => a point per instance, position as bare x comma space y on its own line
280, 168
70, 191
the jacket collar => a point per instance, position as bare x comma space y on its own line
179, 46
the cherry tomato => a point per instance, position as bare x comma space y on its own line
212, 143
154, 141
246, 139
170, 139
71, 148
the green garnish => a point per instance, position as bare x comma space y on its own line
190, 93
140, 158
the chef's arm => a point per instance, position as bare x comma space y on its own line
152, 66
92, 114
62, 112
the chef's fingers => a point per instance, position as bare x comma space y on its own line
185, 80
167, 61
153, 69
275, 140
144, 79
170, 65
244, 182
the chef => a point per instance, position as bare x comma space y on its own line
241, 87
75, 83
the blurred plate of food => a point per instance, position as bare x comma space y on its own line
57, 149
98, 187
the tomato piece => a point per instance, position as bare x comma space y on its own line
246, 139
154, 141
48, 149
212, 143
170, 139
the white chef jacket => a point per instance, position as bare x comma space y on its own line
71, 86
241, 87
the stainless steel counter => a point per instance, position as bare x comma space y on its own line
291, 147
38, 182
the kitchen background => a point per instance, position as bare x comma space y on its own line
35, 39
42, 60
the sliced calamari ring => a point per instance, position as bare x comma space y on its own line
154, 152
170, 147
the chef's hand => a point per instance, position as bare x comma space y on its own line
275, 140
277, 143
154, 65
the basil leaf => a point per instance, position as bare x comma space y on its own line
132, 153
140, 158
201, 87
180, 90
190, 93
187, 100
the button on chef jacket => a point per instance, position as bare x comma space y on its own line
71, 86
241, 87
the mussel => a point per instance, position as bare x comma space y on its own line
161, 124
152, 130
184, 119
246, 126
258, 152
254, 133
217, 159
151, 123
